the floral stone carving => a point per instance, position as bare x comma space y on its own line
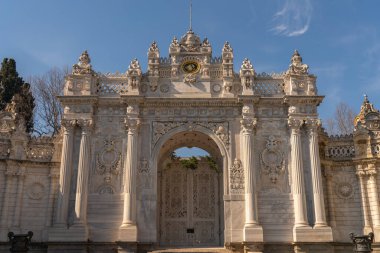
272, 160
237, 177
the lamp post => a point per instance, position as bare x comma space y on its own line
20, 242
362, 243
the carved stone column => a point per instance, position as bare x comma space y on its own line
316, 175
20, 187
65, 172
128, 227
373, 195
83, 172
50, 204
330, 194
298, 187
4, 222
252, 230
360, 172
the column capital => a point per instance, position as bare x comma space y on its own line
295, 123
133, 110
86, 125
360, 171
371, 170
132, 124
248, 124
312, 124
69, 124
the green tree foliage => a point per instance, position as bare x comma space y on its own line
10, 85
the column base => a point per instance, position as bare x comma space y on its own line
128, 233
75, 233
376, 232
253, 233
309, 234
253, 247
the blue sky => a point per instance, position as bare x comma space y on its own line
338, 39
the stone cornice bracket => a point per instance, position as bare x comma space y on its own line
86, 124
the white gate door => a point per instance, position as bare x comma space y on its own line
189, 206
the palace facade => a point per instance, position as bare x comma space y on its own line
274, 181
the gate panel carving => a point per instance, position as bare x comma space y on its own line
189, 208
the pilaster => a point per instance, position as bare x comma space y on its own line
20, 187
128, 229
10, 174
253, 232
82, 180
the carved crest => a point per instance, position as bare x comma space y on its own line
272, 160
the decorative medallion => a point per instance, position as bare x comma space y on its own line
344, 190
190, 67
164, 88
216, 88
36, 191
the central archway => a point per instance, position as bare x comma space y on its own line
190, 200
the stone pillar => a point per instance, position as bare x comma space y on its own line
298, 187
4, 222
20, 187
316, 175
65, 172
373, 196
50, 205
253, 232
83, 172
360, 172
330, 194
247, 140
128, 228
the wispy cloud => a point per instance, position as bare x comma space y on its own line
293, 19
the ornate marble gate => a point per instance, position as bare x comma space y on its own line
190, 211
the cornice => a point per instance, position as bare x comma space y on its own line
293, 99
197, 102
82, 99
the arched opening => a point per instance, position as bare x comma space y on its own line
190, 191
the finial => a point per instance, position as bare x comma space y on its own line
365, 98
191, 8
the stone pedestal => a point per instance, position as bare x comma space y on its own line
76, 233
253, 233
128, 233
308, 234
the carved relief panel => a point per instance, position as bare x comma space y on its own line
107, 166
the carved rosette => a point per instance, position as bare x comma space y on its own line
272, 160
108, 160
237, 177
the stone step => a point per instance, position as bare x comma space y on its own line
186, 250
